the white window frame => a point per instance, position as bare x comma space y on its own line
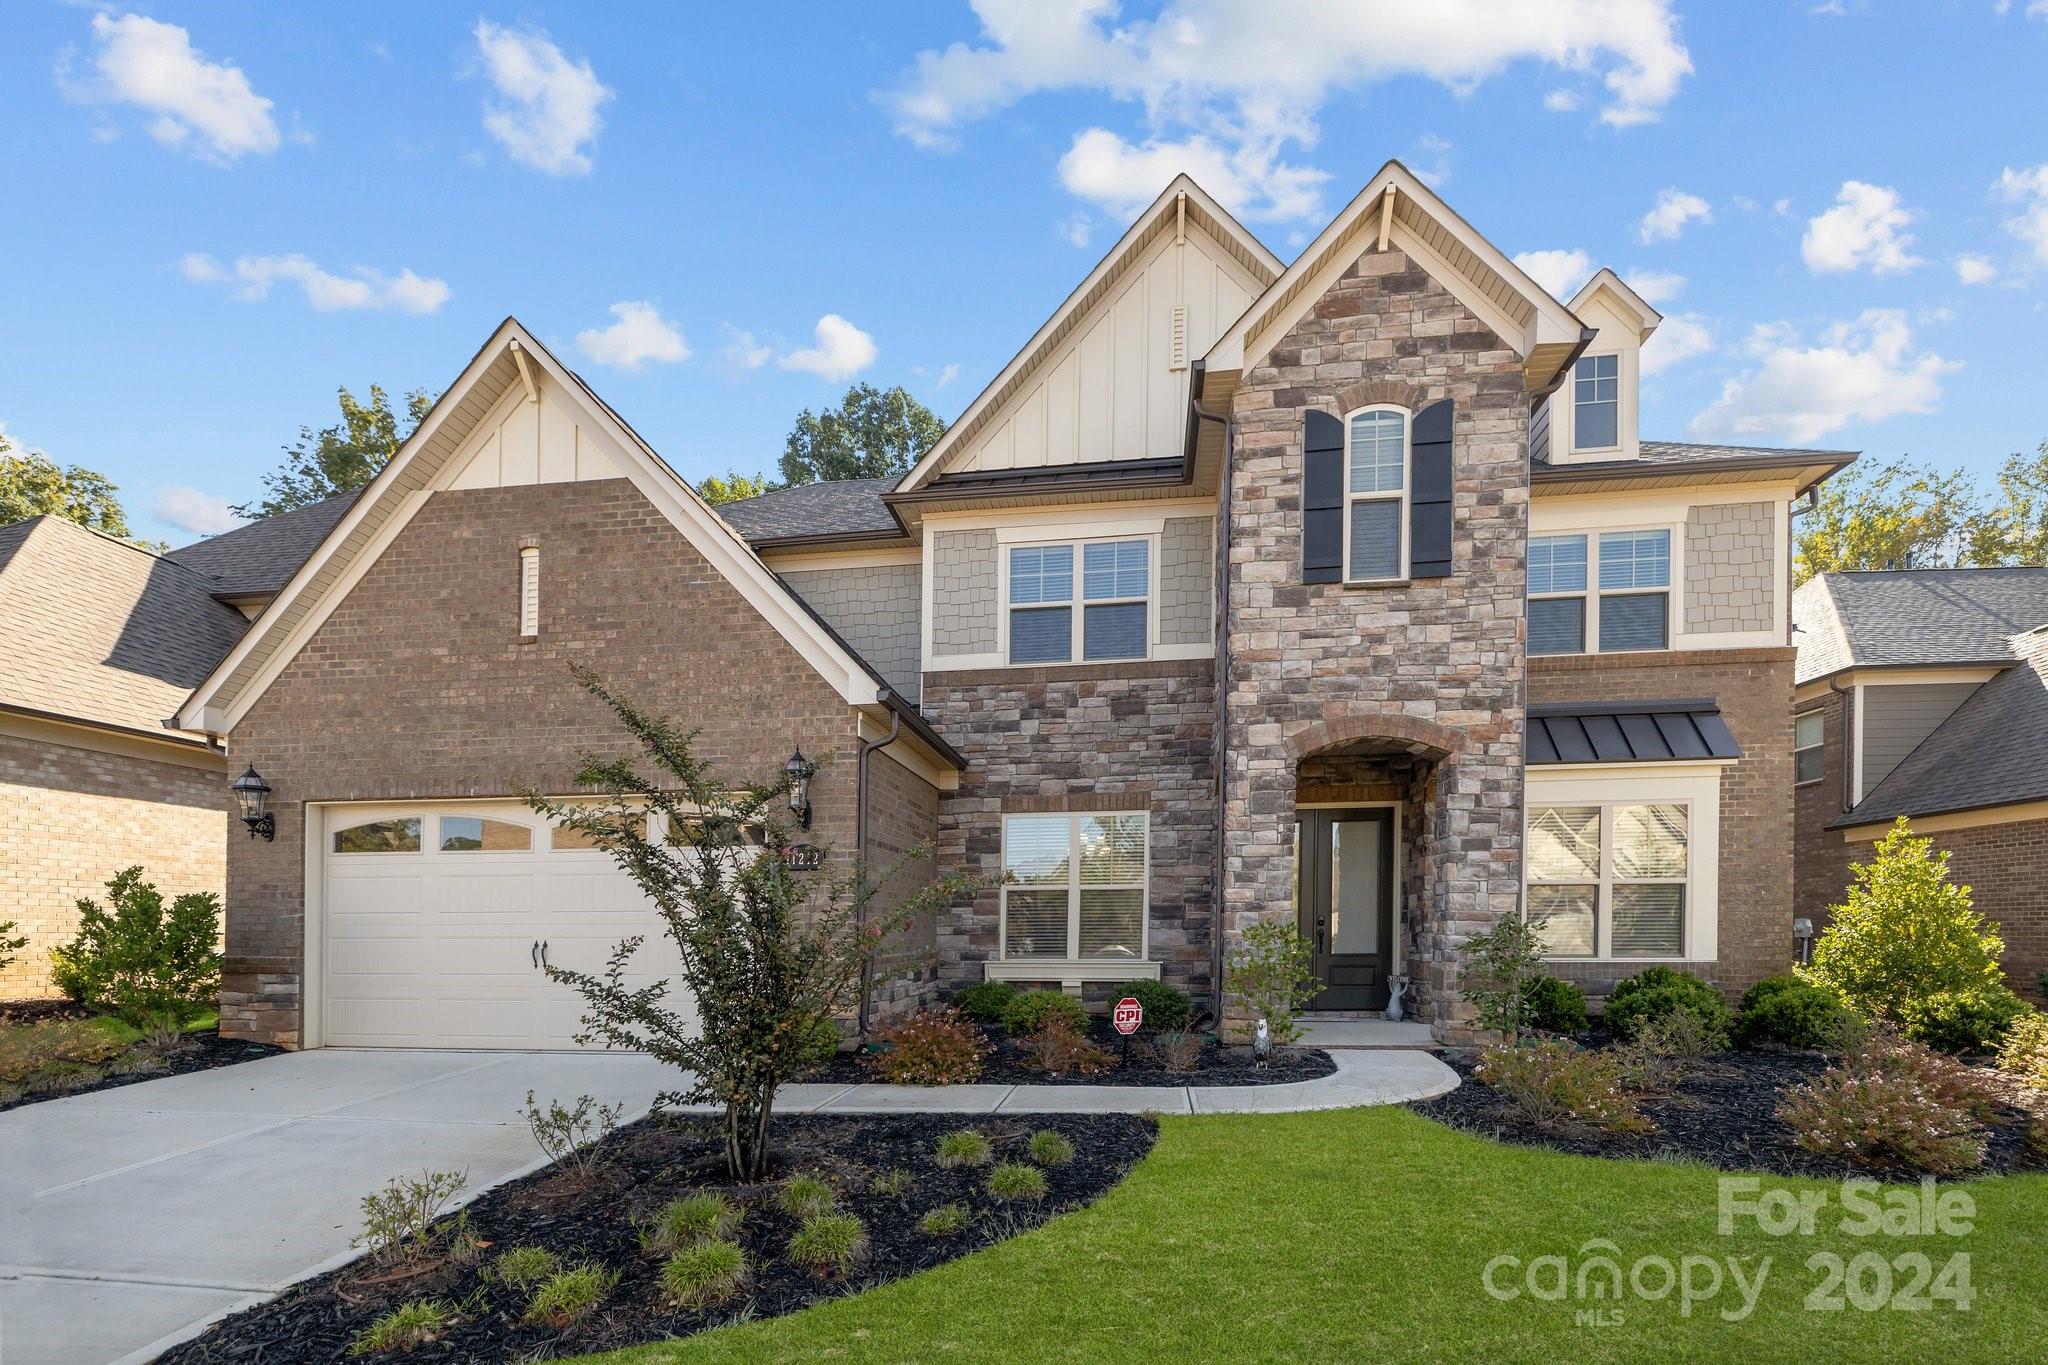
1079, 602
1584, 595
1619, 425
1819, 746
1074, 887
1407, 488
1597, 593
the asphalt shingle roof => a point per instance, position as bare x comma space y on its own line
843, 507
261, 557
1914, 616
96, 629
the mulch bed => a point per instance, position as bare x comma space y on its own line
196, 1052
1722, 1112
656, 1160
1221, 1064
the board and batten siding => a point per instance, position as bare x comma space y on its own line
1897, 716
876, 609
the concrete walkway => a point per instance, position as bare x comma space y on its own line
131, 1218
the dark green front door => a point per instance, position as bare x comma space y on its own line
1344, 862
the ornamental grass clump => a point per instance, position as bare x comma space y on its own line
1047, 1148
945, 1221
406, 1326
807, 1196
1895, 1104
932, 1047
1012, 1181
962, 1147
570, 1295
680, 1223
1556, 1083
893, 1183
706, 1275
830, 1245
522, 1268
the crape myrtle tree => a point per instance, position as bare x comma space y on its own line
770, 955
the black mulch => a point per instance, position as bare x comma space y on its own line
196, 1052
1722, 1112
657, 1160
35, 1011
1220, 1064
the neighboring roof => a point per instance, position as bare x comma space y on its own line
1987, 754
809, 511
257, 560
98, 631
1630, 732
1914, 617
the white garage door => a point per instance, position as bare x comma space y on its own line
436, 919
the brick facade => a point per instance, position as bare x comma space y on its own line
1436, 666
1820, 858
418, 686
72, 817
1753, 688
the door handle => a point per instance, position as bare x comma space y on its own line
534, 953
545, 964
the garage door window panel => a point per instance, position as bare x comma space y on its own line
478, 834
380, 836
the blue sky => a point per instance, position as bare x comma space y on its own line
223, 211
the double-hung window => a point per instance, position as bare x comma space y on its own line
1808, 735
1557, 594
1074, 886
1596, 402
1610, 880
1635, 590
1376, 496
1110, 618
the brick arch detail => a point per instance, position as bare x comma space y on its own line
1443, 739
1369, 391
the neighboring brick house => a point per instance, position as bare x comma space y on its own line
1924, 693
1343, 593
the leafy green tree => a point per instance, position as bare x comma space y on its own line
1894, 516
2015, 529
342, 457
871, 433
154, 965
734, 486
33, 485
1497, 974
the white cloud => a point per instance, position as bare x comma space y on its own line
202, 107
1865, 228
1121, 178
843, 350
1562, 101
361, 288
1561, 272
550, 120
188, 509
1668, 217
2029, 189
1861, 371
1657, 287
1436, 171
742, 352
947, 375
1247, 77
1974, 269
638, 334
1679, 338
1076, 229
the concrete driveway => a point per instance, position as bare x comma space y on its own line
130, 1217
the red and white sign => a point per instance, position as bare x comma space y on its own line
1129, 1014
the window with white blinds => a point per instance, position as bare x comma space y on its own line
1074, 886
1610, 880
529, 591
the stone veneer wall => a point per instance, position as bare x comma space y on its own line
1376, 780
1097, 737
963, 592
1438, 662
1730, 567
876, 609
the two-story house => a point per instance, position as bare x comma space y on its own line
1342, 592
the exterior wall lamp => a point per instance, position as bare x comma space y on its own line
252, 793
798, 770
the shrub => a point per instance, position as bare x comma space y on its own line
1495, 972
1650, 1062
1790, 1013
706, 1275
807, 1196
1893, 1103
680, 1223
524, 1267
1047, 1148
1060, 1049
569, 1295
1903, 933
568, 1136
893, 1183
1179, 1051
932, 1047
398, 1220
404, 1327
1657, 991
823, 1045
1556, 1082
766, 953
155, 967
27, 1050
1269, 974
2025, 1051
1166, 1008
1971, 1020
944, 1221
1554, 1005
10, 944
985, 1001
1028, 1012
830, 1245
962, 1147
1013, 1180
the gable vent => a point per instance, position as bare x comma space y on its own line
529, 591
1177, 352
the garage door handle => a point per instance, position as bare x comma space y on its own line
545, 964
535, 954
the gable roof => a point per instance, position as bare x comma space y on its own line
1605, 281
102, 632
1986, 754
1915, 617
258, 559
837, 510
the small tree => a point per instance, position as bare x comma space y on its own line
769, 954
1496, 971
1269, 973
156, 967
10, 943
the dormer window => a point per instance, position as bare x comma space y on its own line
1596, 403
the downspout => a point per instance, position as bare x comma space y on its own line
1850, 739
1222, 580
860, 837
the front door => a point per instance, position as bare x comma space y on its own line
1345, 892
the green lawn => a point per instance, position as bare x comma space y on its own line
1362, 1235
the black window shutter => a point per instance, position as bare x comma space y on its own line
1429, 496
1322, 498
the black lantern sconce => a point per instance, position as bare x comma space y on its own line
798, 770
252, 793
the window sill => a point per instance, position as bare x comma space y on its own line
1366, 585
1071, 972
526, 639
